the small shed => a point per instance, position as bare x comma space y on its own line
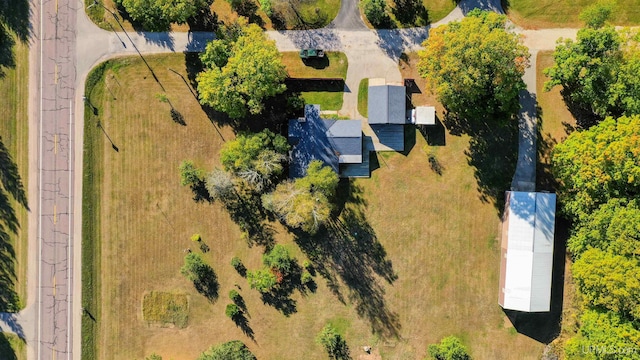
423, 115
527, 251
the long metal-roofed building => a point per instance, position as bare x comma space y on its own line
527, 251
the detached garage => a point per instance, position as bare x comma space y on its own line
527, 251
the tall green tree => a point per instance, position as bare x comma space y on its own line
604, 335
598, 164
305, 203
157, 15
450, 348
610, 281
333, 343
232, 350
596, 15
613, 227
257, 158
252, 73
475, 65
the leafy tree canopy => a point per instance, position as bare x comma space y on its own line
450, 348
598, 72
608, 280
598, 164
263, 280
604, 335
255, 157
157, 15
475, 65
597, 14
614, 227
333, 343
253, 71
278, 258
232, 350
306, 202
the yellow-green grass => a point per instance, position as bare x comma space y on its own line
555, 123
12, 347
165, 309
363, 97
439, 236
333, 66
533, 14
15, 136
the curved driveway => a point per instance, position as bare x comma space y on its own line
67, 45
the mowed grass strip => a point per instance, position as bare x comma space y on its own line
14, 130
12, 347
333, 66
165, 309
363, 97
439, 236
533, 14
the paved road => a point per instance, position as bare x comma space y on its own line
49, 326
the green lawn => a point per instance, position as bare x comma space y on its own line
363, 97
533, 14
413, 13
12, 347
411, 236
333, 66
14, 137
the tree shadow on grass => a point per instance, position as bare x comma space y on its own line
492, 152
11, 185
6, 351
347, 249
242, 322
247, 212
207, 284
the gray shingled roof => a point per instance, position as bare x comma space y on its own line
387, 104
331, 141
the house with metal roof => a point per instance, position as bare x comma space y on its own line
337, 143
386, 107
527, 251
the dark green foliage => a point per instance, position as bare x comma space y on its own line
598, 164
157, 15
278, 258
375, 11
450, 348
333, 343
234, 296
232, 350
201, 274
475, 66
251, 72
262, 280
613, 227
232, 311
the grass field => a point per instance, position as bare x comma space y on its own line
12, 347
533, 14
333, 66
14, 136
427, 259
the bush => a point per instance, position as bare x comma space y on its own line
196, 237
333, 343
232, 311
234, 296
239, 266
278, 258
450, 348
306, 278
375, 11
262, 280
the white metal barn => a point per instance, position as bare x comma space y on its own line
527, 251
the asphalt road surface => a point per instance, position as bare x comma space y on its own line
55, 24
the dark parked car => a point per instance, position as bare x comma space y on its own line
311, 53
